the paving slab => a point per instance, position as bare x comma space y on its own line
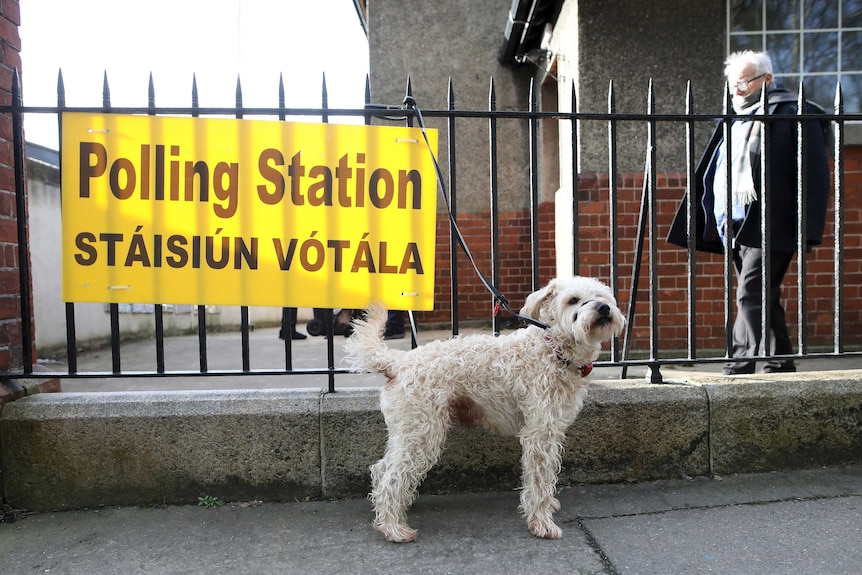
807, 521
459, 534
799, 522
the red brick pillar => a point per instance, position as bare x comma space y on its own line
12, 345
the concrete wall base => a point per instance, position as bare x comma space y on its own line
65, 451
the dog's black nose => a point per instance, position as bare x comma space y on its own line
603, 309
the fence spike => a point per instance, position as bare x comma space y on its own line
151, 92
612, 98
367, 99
20, 215
367, 89
324, 100
61, 103
324, 92
451, 94
281, 105
492, 96
195, 102
238, 92
534, 103
61, 89
688, 98
106, 92
16, 87
575, 184
839, 98
840, 220
651, 97
409, 90
726, 104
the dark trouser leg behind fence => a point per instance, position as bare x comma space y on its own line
746, 328
288, 324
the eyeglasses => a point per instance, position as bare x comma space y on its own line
743, 85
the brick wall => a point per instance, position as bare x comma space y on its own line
474, 300
11, 355
594, 245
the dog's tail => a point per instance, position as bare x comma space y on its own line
365, 348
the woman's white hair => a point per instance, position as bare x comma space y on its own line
761, 60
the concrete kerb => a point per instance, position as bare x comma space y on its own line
802, 420
77, 450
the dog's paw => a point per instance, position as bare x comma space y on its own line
398, 533
545, 528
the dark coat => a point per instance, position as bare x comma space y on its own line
782, 190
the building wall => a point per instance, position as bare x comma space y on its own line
474, 300
431, 43
612, 53
630, 43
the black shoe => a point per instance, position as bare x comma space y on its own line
297, 335
389, 334
779, 368
738, 369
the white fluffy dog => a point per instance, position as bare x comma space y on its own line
528, 383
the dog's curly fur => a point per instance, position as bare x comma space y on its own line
527, 383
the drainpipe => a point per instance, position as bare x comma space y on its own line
520, 15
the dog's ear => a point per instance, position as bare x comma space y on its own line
536, 300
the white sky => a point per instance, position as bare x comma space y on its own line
213, 39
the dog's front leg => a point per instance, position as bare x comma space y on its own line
542, 445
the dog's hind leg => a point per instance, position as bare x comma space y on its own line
390, 513
542, 445
414, 446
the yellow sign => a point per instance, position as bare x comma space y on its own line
162, 209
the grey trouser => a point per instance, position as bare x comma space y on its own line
746, 328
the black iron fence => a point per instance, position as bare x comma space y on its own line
646, 243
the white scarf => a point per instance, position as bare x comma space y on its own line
740, 166
744, 192
743, 181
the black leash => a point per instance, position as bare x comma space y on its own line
499, 299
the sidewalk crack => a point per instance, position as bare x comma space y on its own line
594, 545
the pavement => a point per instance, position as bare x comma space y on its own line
807, 521
804, 522
268, 353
